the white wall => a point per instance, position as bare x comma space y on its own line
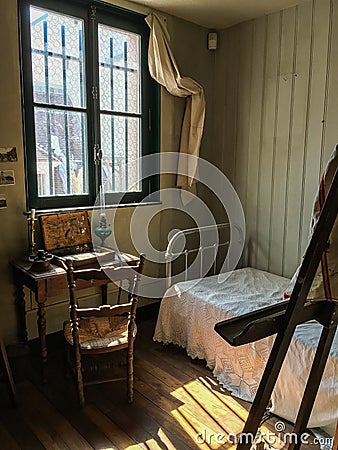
275, 124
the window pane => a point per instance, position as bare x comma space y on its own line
119, 61
61, 155
120, 142
57, 58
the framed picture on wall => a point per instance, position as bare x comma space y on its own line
7, 177
8, 154
3, 201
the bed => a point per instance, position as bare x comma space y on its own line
190, 309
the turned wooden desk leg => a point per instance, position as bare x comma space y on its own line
21, 312
42, 335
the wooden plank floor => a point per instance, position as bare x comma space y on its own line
177, 405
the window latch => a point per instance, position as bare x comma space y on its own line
92, 13
94, 92
97, 154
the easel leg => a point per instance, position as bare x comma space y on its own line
266, 386
313, 383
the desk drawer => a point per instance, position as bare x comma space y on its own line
58, 285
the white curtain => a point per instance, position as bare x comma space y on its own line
163, 68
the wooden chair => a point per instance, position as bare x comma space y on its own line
92, 333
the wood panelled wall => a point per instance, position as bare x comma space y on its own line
276, 123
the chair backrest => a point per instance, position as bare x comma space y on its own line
113, 273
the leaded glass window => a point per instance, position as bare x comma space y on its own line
119, 66
89, 103
58, 90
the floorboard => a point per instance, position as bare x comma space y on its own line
177, 405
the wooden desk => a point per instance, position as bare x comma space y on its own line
47, 284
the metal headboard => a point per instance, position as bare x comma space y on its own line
172, 254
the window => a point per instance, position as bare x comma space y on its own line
90, 106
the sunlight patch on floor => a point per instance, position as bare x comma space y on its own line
166, 441
211, 418
188, 428
152, 444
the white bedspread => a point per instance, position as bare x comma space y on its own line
187, 317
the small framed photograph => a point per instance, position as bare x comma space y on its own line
8, 154
3, 201
7, 177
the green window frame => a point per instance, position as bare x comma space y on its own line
89, 103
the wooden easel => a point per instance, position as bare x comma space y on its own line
283, 319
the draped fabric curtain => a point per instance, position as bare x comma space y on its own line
163, 68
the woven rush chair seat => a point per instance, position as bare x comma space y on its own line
99, 332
